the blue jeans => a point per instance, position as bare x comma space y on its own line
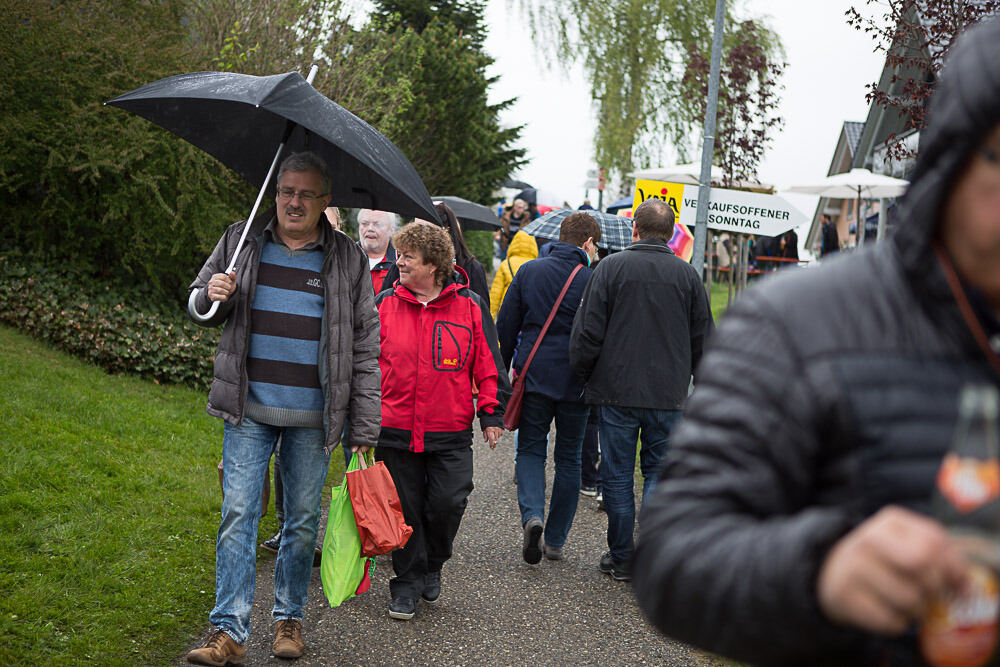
532, 446
620, 432
246, 450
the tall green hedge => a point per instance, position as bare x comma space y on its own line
121, 329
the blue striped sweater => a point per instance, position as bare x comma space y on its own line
285, 327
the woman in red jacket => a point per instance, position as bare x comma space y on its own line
437, 340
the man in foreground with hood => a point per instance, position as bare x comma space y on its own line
791, 524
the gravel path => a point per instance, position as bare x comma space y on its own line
494, 607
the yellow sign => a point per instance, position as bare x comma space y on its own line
671, 193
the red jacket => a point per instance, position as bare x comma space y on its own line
382, 268
430, 357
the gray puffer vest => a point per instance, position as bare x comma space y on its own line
349, 345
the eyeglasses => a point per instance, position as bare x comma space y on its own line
287, 194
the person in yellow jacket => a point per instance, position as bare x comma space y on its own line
522, 249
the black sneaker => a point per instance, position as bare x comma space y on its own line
619, 570
402, 609
273, 543
590, 491
432, 587
531, 551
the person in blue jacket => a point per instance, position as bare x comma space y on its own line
552, 390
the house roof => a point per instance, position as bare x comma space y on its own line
853, 130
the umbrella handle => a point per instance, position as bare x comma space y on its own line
192, 299
192, 306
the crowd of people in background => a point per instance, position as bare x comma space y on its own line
445, 346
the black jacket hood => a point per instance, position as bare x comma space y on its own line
963, 110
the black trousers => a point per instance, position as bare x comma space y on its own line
589, 472
433, 489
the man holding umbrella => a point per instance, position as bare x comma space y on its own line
298, 356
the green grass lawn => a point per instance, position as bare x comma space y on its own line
110, 505
719, 297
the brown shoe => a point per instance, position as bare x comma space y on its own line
220, 649
288, 639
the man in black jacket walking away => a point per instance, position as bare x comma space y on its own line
790, 523
636, 339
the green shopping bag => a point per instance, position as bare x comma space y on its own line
343, 570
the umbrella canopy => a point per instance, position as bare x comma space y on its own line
471, 216
241, 120
515, 184
690, 173
616, 231
677, 173
624, 202
855, 184
540, 197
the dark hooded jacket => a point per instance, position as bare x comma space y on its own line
527, 305
781, 454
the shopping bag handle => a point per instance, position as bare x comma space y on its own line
363, 460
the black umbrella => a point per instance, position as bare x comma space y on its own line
471, 216
241, 120
529, 195
539, 197
515, 184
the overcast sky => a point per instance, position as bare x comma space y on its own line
829, 65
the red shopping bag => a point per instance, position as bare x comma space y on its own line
377, 509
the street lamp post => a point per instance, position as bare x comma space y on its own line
708, 142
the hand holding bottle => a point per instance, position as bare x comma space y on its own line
883, 575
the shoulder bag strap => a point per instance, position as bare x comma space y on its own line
966, 308
545, 327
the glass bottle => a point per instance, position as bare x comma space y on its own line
961, 627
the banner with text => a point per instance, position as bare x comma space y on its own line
728, 210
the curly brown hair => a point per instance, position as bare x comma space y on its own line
433, 244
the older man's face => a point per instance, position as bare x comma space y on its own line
301, 200
375, 231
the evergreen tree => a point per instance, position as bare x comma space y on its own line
465, 15
452, 134
110, 193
